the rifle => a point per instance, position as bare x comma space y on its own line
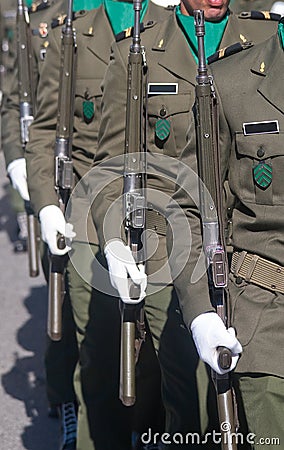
132, 315
63, 168
210, 192
27, 102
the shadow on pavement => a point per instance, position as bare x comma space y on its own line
26, 380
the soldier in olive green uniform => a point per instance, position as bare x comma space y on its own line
60, 357
103, 422
8, 56
171, 61
251, 138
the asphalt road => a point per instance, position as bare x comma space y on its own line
24, 423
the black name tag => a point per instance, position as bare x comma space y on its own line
264, 127
162, 88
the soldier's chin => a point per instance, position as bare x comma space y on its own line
215, 14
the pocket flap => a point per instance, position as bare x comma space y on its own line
260, 146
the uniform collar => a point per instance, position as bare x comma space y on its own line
99, 26
170, 38
232, 32
269, 66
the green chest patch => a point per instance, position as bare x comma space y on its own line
162, 129
88, 111
262, 175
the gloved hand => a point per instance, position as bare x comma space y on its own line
278, 8
209, 333
53, 222
17, 171
121, 265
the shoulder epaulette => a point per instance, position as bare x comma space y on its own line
170, 7
61, 19
38, 6
129, 31
228, 51
259, 15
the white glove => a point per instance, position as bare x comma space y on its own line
209, 333
121, 265
17, 171
278, 8
53, 222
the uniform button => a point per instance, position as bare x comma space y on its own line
163, 112
260, 152
239, 280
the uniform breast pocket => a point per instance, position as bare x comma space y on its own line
168, 120
88, 97
257, 168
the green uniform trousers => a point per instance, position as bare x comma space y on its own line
187, 390
17, 202
60, 356
263, 399
60, 360
104, 423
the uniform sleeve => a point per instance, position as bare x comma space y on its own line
184, 236
105, 178
40, 149
10, 115
10, 118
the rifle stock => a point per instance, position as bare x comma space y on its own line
132, 315
210, 191
33, 241
55, 296
63, 168
26, 97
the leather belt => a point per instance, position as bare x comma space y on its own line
254, 269
155, 221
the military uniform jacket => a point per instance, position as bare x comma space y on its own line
169, 62
94, 37
40, 27
254, 76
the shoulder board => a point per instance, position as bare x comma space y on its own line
228, 51
38, 6
61, 19
129, 31
259, 15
